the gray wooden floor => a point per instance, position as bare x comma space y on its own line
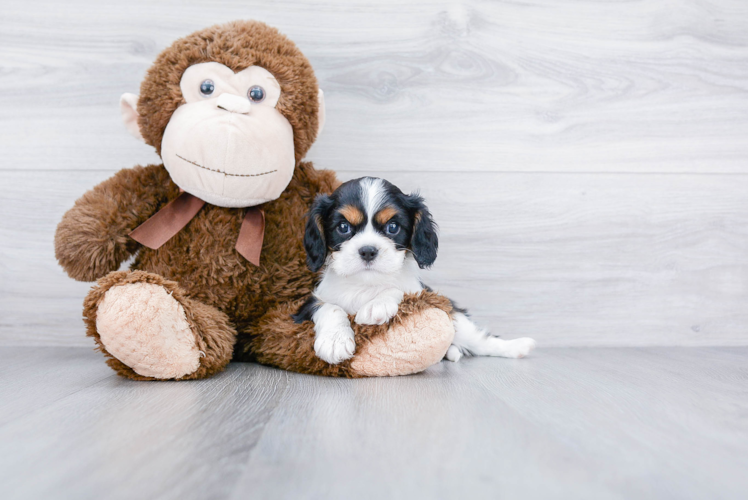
669, 422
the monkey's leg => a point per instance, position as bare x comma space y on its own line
416, 338
149, 329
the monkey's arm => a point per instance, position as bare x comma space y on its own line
92, 238
416, 338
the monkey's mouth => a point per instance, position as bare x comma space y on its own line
225, 173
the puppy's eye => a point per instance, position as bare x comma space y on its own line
207, 87
393, 228
344, 228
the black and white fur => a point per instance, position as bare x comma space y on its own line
370, 262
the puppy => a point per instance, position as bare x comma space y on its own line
372, 240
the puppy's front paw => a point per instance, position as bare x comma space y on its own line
519, 348
335, 345
378, 311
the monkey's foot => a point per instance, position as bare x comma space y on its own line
145, 327
411, 346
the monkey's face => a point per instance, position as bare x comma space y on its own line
227, 144
231, 109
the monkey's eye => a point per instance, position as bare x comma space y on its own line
256, 94
207, 87
393, 228
344, 228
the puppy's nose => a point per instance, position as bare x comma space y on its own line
368, 253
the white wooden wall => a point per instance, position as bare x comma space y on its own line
586, 160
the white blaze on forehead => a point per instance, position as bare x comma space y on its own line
372, 196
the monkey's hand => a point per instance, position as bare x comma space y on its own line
92, 238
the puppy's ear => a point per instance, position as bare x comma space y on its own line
423, 242
314, 235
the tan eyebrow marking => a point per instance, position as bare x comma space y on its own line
352, 214
385, 214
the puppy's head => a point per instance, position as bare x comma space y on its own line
368, 226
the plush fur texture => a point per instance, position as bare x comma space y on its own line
422, 340
235, 310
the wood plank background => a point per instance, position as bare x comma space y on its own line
587, 161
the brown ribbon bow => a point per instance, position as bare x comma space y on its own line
168, 221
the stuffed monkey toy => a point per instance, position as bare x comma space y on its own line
216, 231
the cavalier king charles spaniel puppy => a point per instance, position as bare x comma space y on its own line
372, 240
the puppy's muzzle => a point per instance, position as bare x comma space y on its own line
368, 253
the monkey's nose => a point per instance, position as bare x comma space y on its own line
233, 103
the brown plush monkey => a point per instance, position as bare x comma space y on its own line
217, 229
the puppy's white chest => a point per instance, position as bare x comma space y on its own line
352, 293
352, 297
362, 297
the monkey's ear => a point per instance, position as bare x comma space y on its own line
321, 112
314, 235
128, 105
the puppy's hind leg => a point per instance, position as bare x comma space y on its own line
473, 340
